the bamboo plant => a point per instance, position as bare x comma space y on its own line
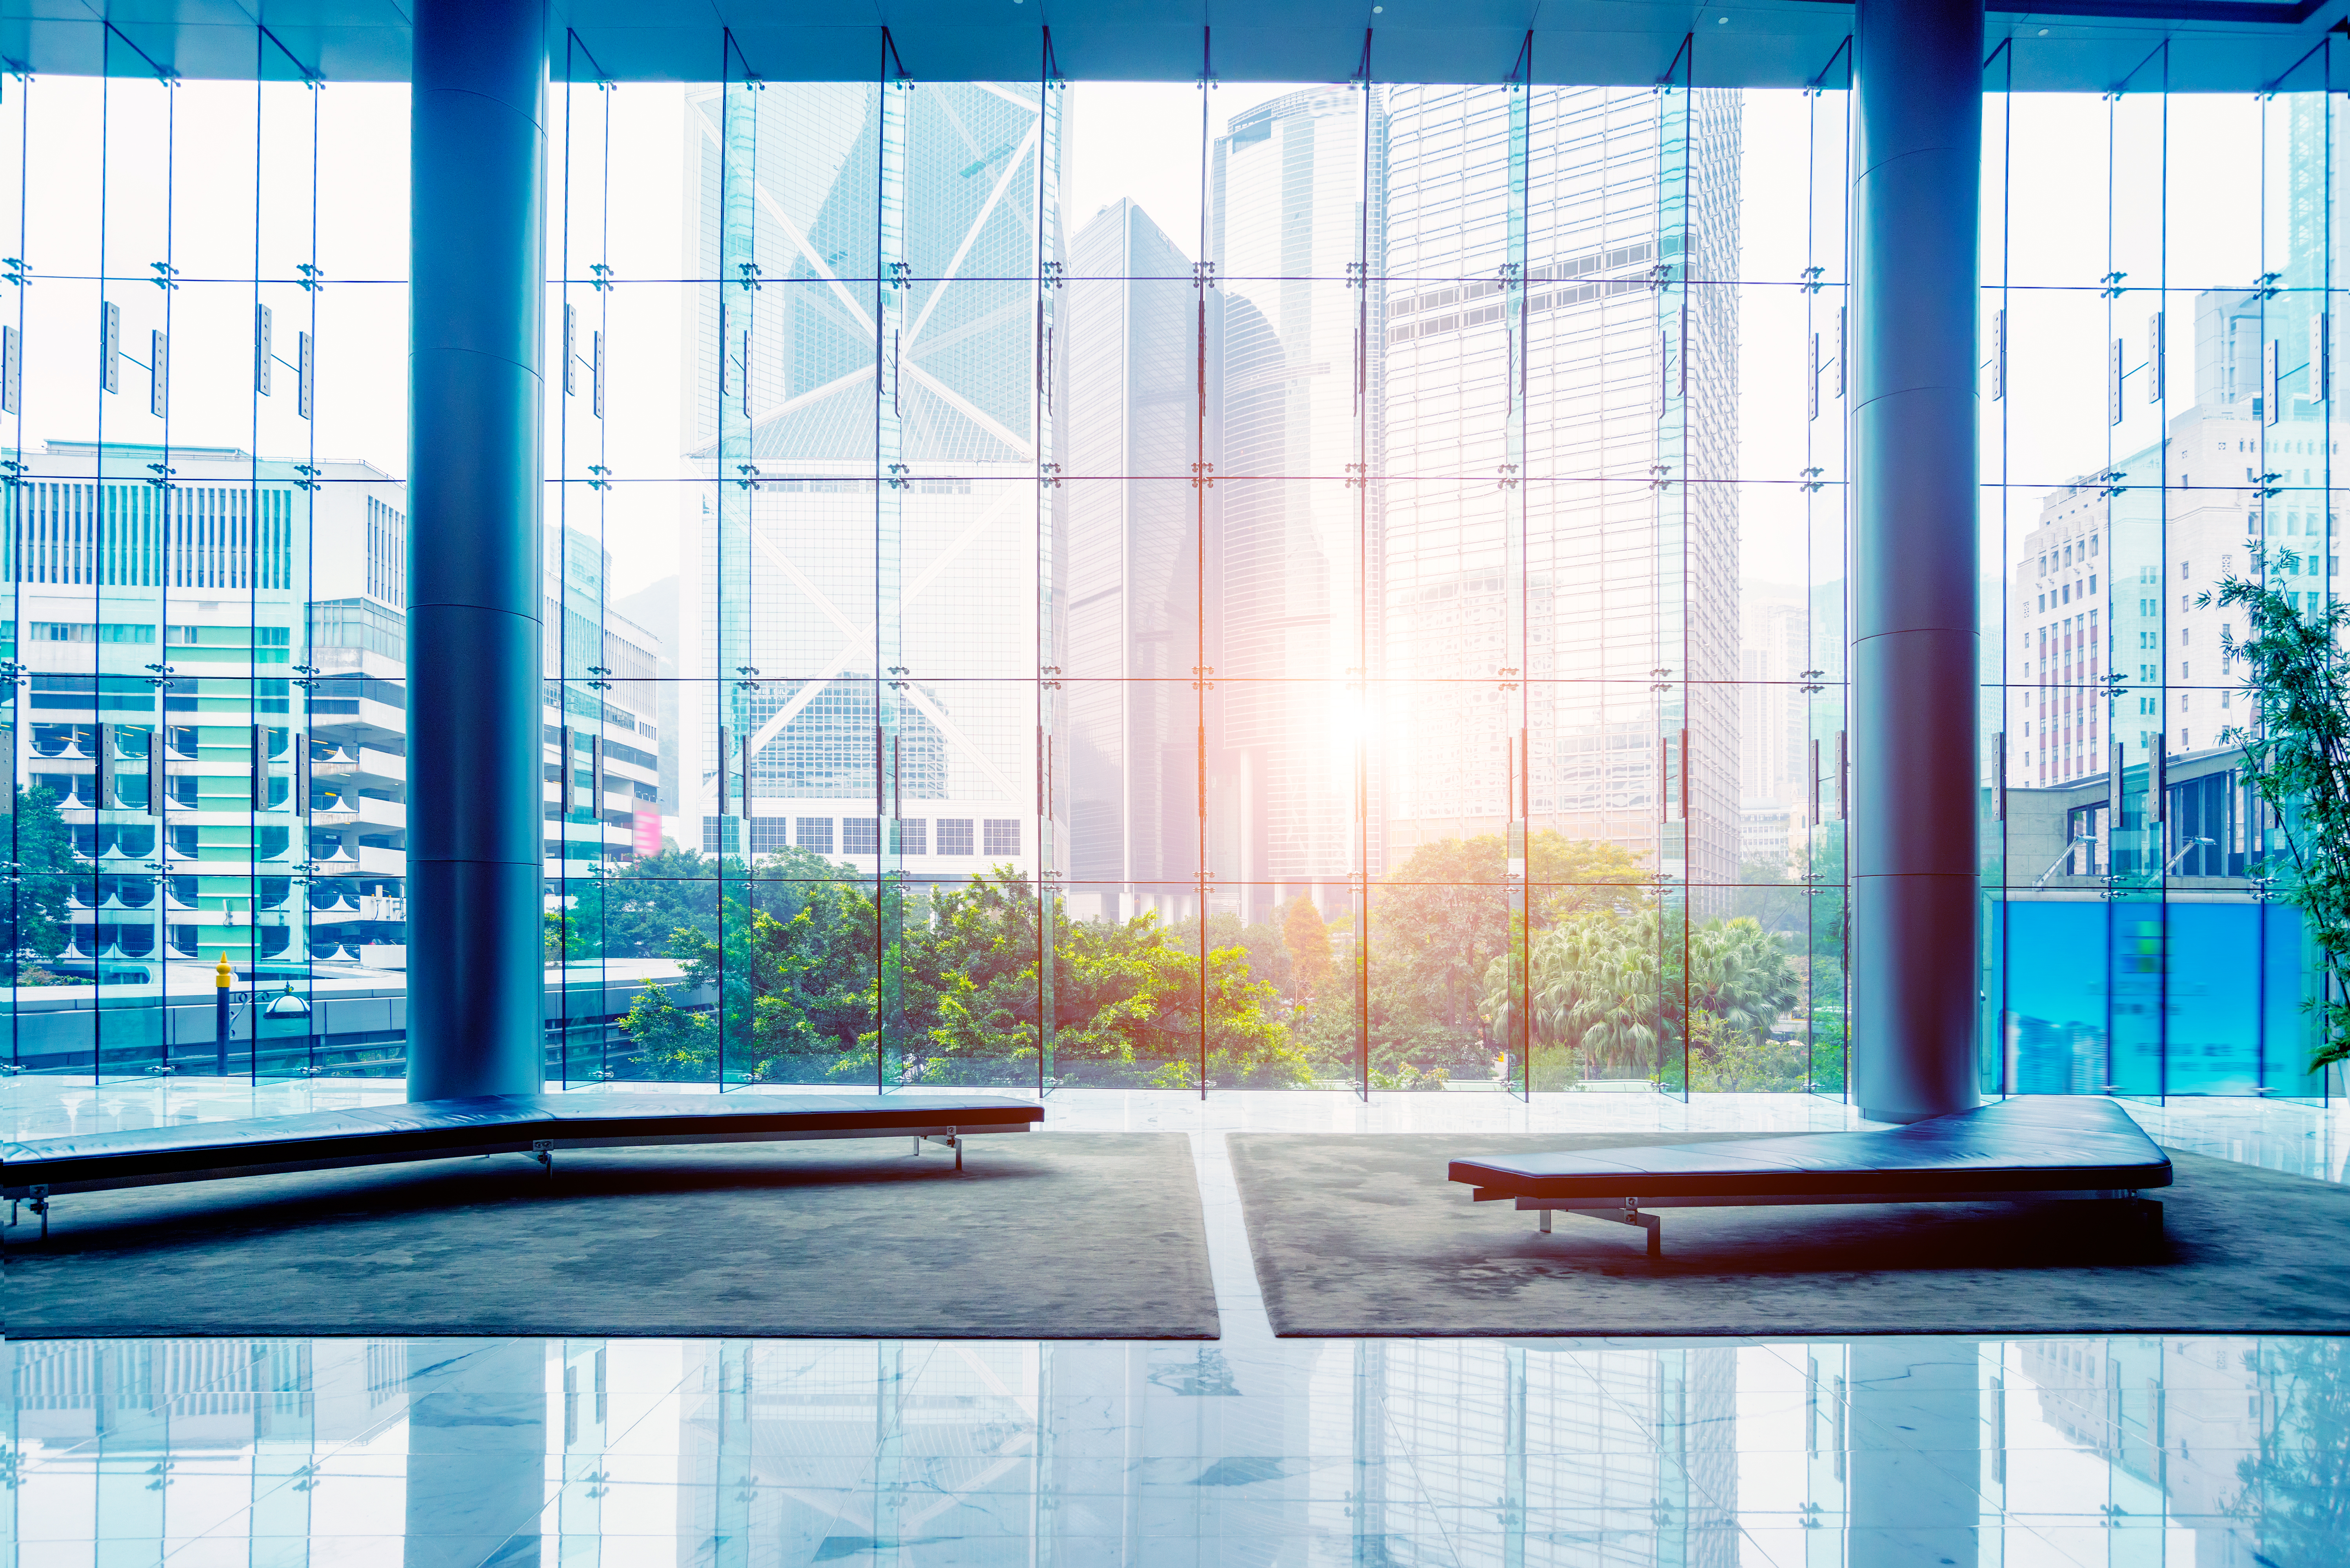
2296, 753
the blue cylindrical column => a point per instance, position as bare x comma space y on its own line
477, 240
1917, 196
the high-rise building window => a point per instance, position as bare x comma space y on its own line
1002, 836
860, 835
815, 835
955, 836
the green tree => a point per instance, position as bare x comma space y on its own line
793, 982
1741, 974
562, 940
1440, 920
1307, 939
35, 921
637, 913
1773, 897
1612, 994
1401, 1036
2296, 751
673, 1042
1244, 1044
1126, 994
806, 970
1264, 942
1729, 1063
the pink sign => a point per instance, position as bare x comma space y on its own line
649, 833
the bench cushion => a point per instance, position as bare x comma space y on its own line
493, 1124
2042, 1144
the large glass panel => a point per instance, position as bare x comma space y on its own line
2190, 442
1353, 559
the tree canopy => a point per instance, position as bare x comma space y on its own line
36, 919
794, 969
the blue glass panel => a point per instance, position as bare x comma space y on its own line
2212, 1026
2139, 964
2288, 1032
2055, 997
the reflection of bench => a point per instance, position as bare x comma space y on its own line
535, 1125
2012, 1149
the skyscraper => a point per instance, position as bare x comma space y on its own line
859, 600
1773, 732
1629, 562
1128, 431
1294, 389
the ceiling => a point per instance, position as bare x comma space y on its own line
2092, 45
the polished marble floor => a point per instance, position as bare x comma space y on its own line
2209, 1451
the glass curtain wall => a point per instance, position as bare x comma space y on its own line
202, 406
1157, 585
2159, 414
1198, 586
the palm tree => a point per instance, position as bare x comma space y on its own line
1609, 985
1739, 972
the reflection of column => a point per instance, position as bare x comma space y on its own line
1917, 188
1915, 1429
1710, 1457
1370, 1489
1826, 1512
731, 1481
476, 1452
1513, 1455
890, 1468
477, 178
587, 1405
284, 1446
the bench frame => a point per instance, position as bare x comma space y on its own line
467, 1143
2014, 1151
2141, 1216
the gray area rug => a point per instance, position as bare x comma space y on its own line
1362, 1235
1044, 1236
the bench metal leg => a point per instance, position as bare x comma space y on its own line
543, 1152
1627, 1215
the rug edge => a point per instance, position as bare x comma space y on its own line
1212, 1333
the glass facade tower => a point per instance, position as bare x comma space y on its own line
1132, 565
806, 634
1626, 452
1293, 389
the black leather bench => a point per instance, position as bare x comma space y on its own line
2086, 1148
39, 1169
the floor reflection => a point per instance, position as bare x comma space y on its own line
1913, 1450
